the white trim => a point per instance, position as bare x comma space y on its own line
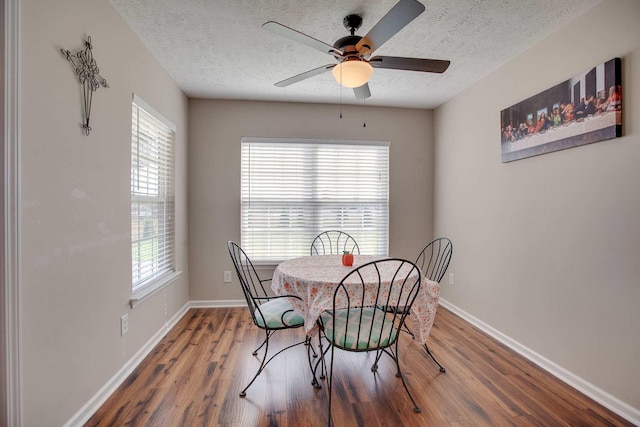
315, 141
95, 402
11, 215
149, 109
266, 265
218, 303
616, 405
144, 293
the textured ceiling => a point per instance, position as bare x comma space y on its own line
217, 48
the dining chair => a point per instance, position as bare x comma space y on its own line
334, 242
357, 323
433, 261
434, 258
269, 313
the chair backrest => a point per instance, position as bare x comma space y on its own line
371, 303
334, 242
252, 286
434, 258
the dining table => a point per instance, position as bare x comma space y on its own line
314, 279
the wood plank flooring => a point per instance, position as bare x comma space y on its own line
194, 375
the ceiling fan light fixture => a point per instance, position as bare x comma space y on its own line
352, 73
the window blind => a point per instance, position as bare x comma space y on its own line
292, 190
152, 196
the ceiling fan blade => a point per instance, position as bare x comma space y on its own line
302, 38
305, 75
362, 92
411, 64
396, 19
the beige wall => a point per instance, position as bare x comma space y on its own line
75, 206
547, 249
215, 130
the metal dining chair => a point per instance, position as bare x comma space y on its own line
269, 313
357, 323
433, 261
334, 242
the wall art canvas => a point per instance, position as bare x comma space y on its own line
584, 109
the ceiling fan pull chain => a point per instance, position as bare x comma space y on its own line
364, 113
340, 93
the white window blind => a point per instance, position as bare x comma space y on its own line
152, 196
292, 190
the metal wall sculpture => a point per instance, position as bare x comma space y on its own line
89, 77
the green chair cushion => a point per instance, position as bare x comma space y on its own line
344, 334
278, 314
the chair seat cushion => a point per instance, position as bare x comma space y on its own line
278, 314
374, 333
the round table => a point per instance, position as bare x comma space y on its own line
314, 280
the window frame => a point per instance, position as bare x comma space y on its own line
381, 246
160, 180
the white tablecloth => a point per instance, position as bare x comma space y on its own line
314, 279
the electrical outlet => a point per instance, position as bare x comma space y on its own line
124, 325
451, 279
227, 277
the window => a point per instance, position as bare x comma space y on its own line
152, 198
292, 190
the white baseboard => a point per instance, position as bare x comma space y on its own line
218, 303
93, 404
90, 408
605, 399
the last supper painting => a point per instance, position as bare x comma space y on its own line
584, 109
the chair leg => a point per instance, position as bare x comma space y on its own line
434, 359
320, 363
308, 344
266, 361
374, 367
255, 352
265, 343
395, 357
329, 385
314, 381
406, 329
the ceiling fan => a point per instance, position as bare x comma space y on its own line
353, 53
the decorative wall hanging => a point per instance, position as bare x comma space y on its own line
578, 111
89, 77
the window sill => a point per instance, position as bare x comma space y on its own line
146, 292
270, 265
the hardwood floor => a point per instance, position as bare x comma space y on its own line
194, 375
